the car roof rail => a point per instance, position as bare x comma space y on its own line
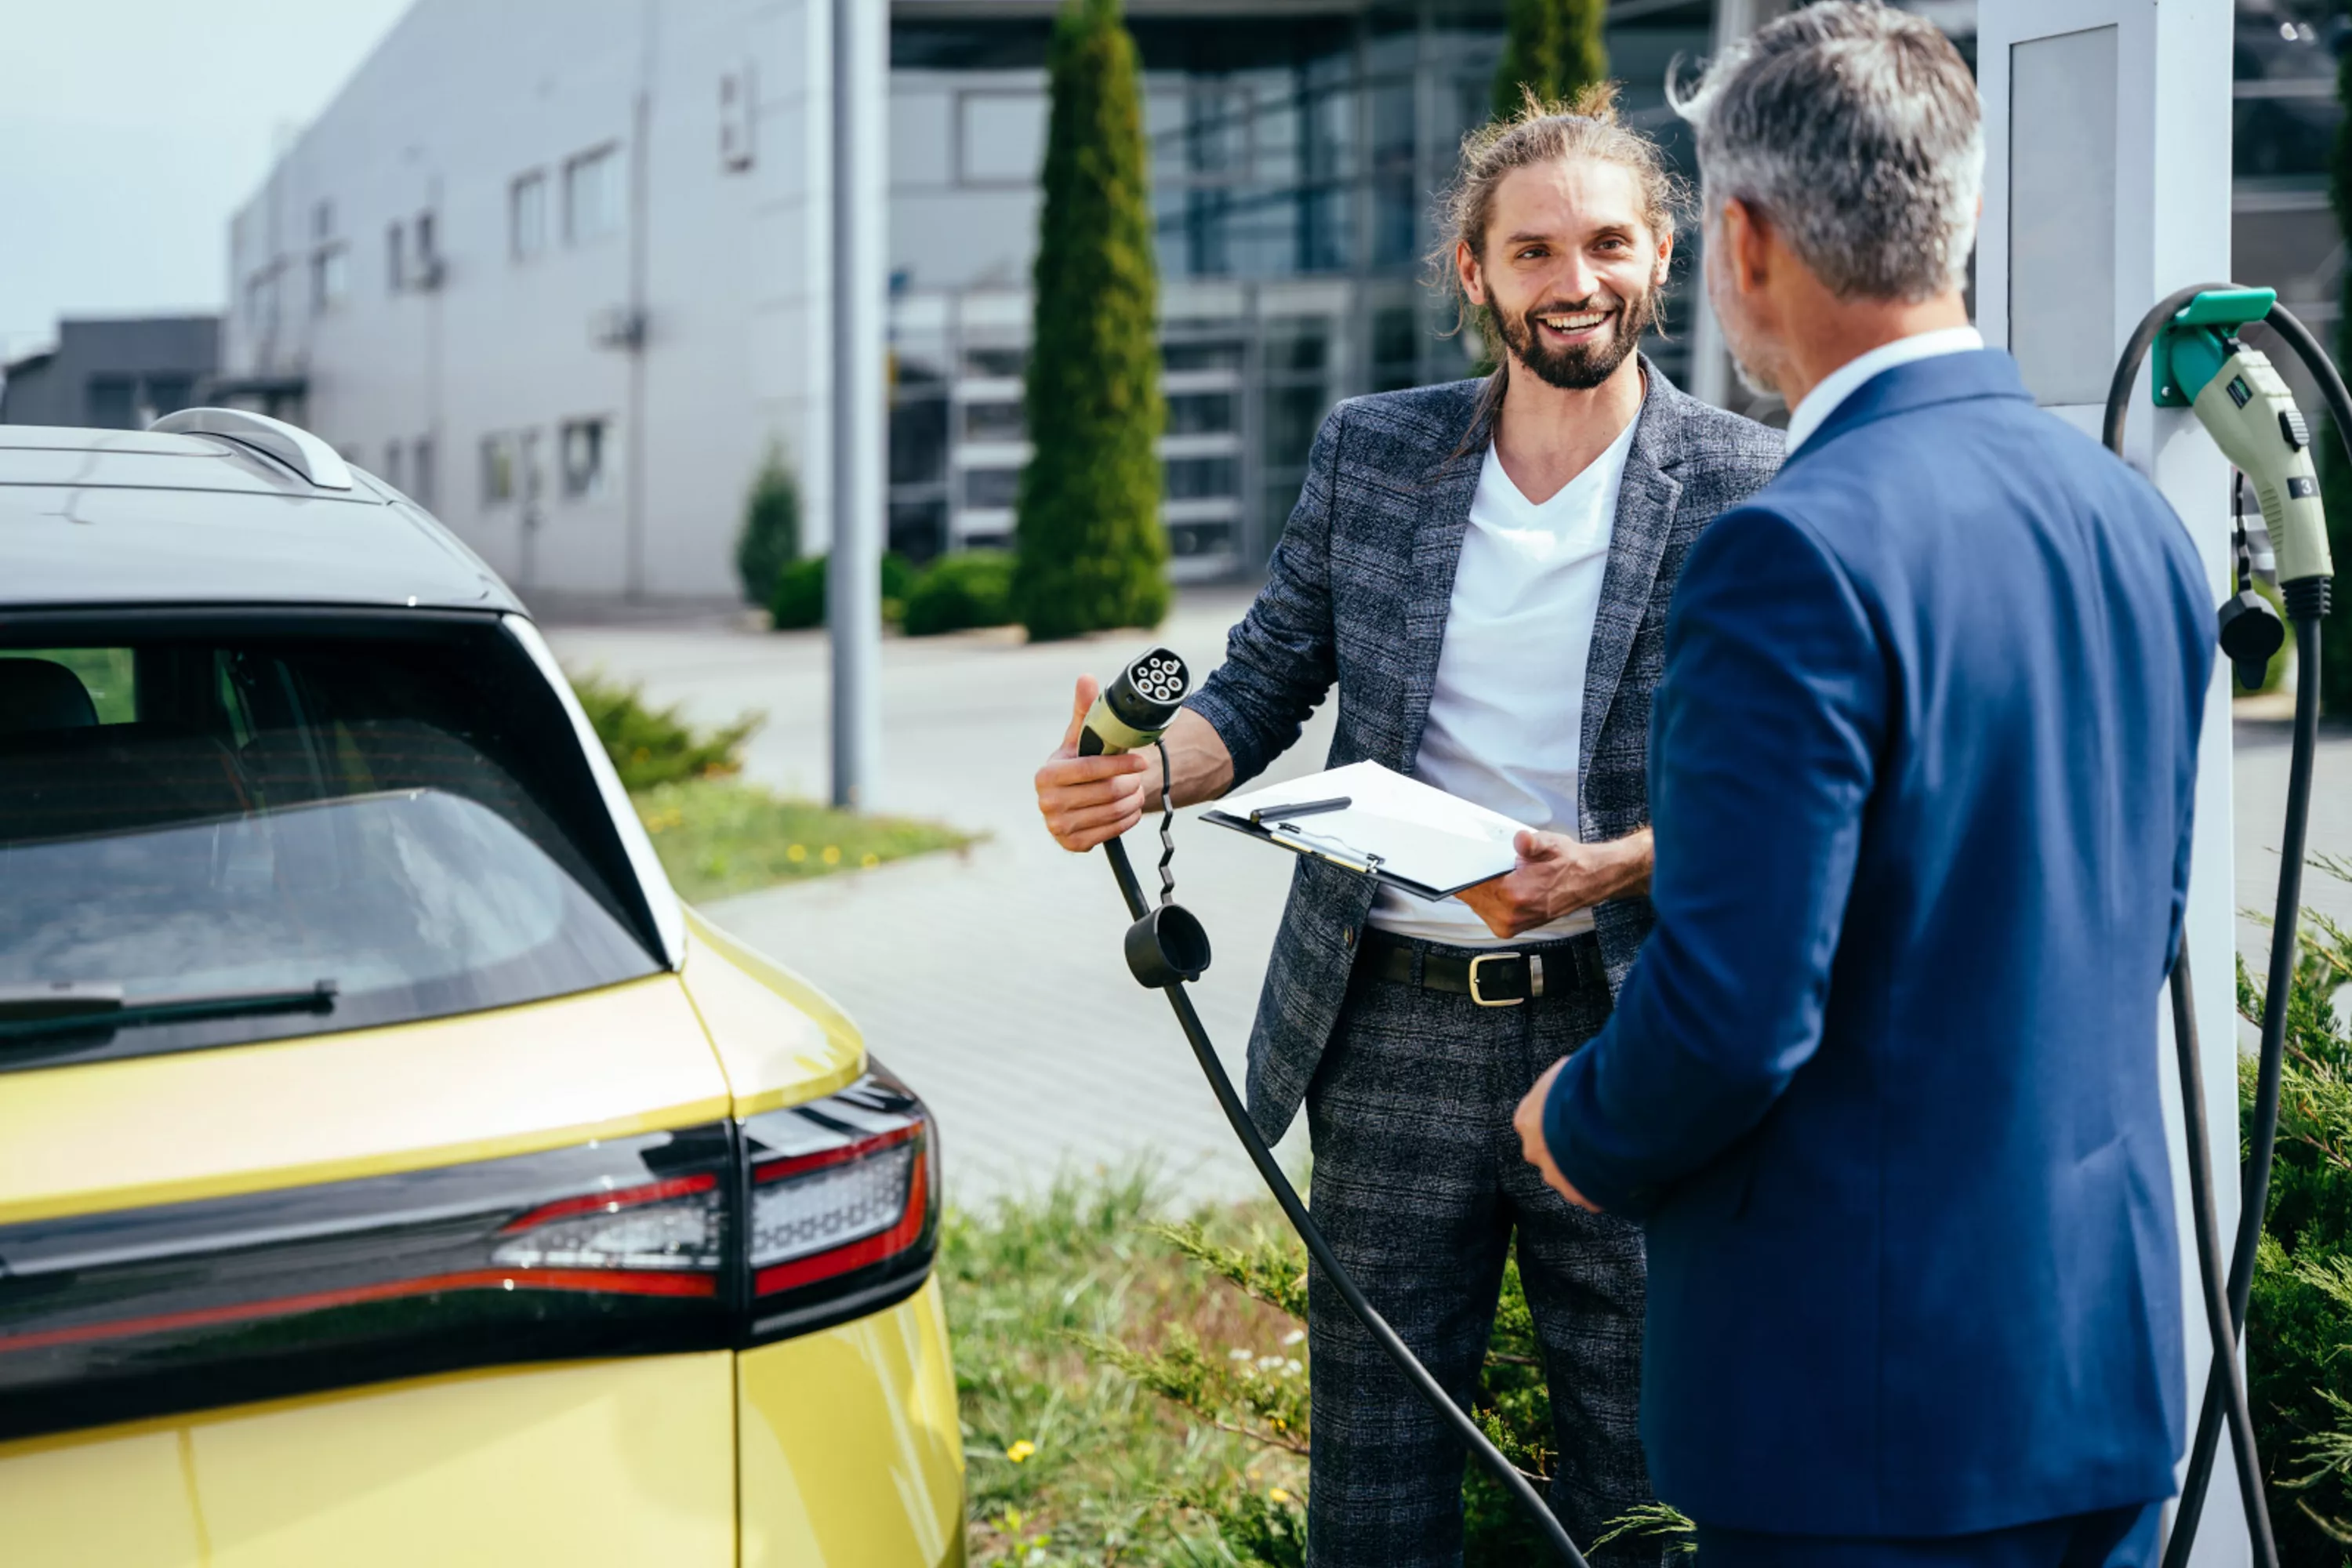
296, 447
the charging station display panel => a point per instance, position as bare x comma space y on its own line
2061, 214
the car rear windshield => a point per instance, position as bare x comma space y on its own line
225, 829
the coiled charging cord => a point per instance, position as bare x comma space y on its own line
1237, 1115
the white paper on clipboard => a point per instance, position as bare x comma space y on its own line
1427, 841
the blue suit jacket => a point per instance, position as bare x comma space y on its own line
1884, 1079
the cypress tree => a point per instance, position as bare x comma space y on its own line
1091, 551
1553, 49
2335, 473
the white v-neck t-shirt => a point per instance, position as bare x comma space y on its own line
1506, 718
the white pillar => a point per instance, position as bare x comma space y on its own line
861, 86
1710, 361
2107, 187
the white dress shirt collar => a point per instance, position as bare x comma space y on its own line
1813, 411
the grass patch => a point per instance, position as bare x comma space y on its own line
1134, 1392
719, 836
1069, 1459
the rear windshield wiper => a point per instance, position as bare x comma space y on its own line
82, 1007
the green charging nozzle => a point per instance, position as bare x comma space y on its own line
2198, 361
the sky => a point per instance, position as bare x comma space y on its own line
130, 129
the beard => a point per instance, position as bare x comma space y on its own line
1579, 367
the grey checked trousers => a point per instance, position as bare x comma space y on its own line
1420, 1186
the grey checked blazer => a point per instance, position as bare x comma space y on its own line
1357, 595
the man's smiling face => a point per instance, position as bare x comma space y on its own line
1570, 269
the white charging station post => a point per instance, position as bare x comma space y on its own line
2107, 187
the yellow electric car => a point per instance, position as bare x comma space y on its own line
392, 1171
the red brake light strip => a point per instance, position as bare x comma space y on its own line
801, 1164
616, 1282
619, 1198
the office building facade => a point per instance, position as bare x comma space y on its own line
561, 270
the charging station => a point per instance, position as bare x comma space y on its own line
2107, 187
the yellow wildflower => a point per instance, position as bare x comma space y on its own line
1021, 1450
796, 854
833, 854
1276, 1494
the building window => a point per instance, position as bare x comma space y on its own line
993, 422
1202, 413
991, 490
421, 476
592, 196
735, 120
428, 251
583, 454
396, 259
261, 301
1202, 478
527, 216
113, 403
497, 468
169, 395
322, 220
330, 277
1000, 137
392, 464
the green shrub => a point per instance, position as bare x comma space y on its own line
770, 540
653, 746
2299, 1318
959, 591
1553, 49
1092, 553
798, 602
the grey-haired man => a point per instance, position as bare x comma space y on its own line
1482, 570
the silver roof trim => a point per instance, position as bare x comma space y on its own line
297, 449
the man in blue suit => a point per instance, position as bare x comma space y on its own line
1882, 1082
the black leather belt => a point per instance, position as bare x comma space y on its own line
1504, 978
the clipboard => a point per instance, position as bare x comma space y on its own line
1393, 830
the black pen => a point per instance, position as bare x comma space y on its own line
1303, 808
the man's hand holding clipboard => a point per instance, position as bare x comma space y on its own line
1368, 819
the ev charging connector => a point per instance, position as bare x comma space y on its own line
2199, 361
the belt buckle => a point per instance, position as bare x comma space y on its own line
1478, 996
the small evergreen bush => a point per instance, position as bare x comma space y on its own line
798, 600
959, 591
1091, 551
1553, 49
2299, 1316
770, 540
653, 746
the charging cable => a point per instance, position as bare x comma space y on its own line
1167, 948
2242, 401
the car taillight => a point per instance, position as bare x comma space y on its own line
727, 1234
843, 1202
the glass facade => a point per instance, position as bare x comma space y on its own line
1292, 162
1295, 160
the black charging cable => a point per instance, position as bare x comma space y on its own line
1237, 1115
2308, 603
